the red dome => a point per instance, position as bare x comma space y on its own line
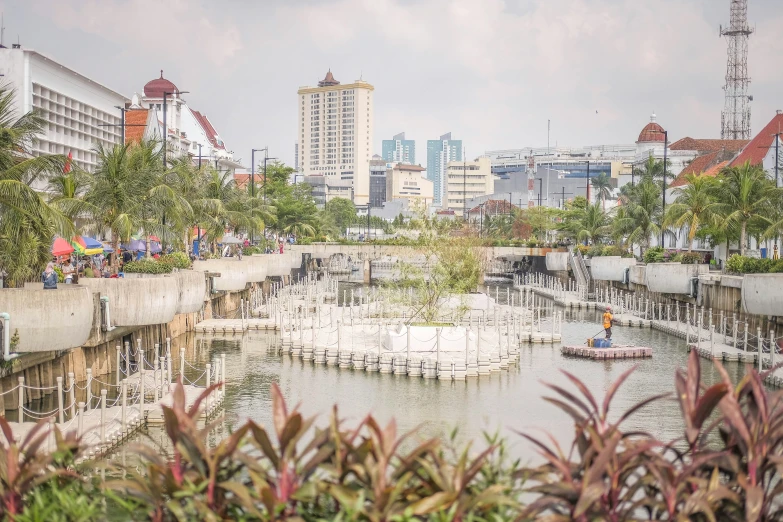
652, 132
156, 87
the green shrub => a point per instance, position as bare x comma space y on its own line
176, 260
249, 251
148, 266
690, 258
595, 251
738, 264
676, 258
654, 255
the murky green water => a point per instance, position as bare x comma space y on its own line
507, 401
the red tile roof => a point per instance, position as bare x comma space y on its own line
651, 132
757, 149
708, 145
209, 130
709, 164
135, 125
242, 180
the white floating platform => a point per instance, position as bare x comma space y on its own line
618, 352
234, 326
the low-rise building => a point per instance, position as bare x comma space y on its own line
79, 112
467, 179
407, 182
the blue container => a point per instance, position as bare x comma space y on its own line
602, 343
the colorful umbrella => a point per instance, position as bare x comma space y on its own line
107, 248
86, 246
61, 247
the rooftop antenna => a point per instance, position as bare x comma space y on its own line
2, 29
735, 118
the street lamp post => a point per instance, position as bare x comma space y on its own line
663, 208
253, 181
266, 159
165, 122
540, 189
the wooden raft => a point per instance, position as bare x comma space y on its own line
618, 352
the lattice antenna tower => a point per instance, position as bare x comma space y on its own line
735, 118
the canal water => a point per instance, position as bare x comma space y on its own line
507, 401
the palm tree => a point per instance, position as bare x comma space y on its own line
588, 223
695, 206
639, 216
603, 187
744, 196
27, 223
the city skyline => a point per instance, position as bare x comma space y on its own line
598, 70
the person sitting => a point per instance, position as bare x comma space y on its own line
68, 272
49, 277
608, 319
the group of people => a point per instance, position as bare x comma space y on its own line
89, 267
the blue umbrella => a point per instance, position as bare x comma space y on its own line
155, 247
135, 245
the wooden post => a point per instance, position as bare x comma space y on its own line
21, 399
61, 413
124, 399
760, 342
734, 327
103, 415
772, 348
80, 428
72, 385
89, 388
182, 364
142, 392
118, 364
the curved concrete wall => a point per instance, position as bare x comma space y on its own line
672, 278
49, 319
762, 294
139, 301
192, 287
256, 268
233, 273
610, 268
557, 261
277, 265
638, 275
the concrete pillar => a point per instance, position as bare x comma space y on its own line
103, 415
89, 388
124, 404
21, 400
72, 386
61, 413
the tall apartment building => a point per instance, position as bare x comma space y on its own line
399, 150
467, 179
439, 154
80, 113
335, 133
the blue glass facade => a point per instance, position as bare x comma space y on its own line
439, 154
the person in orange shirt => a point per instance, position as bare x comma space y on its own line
608, 318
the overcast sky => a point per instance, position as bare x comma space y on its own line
490, 71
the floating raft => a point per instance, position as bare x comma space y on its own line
617, 352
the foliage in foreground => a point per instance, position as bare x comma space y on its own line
726, 466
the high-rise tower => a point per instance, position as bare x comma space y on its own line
735, 119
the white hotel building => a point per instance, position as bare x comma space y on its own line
335, 136
80, 113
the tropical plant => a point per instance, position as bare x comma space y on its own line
586, 222
27, 223
695, 206
743, 198
602, 185
639, 216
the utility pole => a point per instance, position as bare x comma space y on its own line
588, 182
663, 207
563, 198
540, 189
464, 185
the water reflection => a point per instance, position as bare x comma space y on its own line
504, 401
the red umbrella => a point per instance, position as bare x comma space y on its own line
61, 247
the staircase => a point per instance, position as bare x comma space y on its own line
582, 274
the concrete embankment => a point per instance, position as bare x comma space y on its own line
77, 328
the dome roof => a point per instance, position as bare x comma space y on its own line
155, 88
651, 133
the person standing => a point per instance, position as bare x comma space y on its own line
49, 277
68, 271
608, 320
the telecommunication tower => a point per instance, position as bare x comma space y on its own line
735, 118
